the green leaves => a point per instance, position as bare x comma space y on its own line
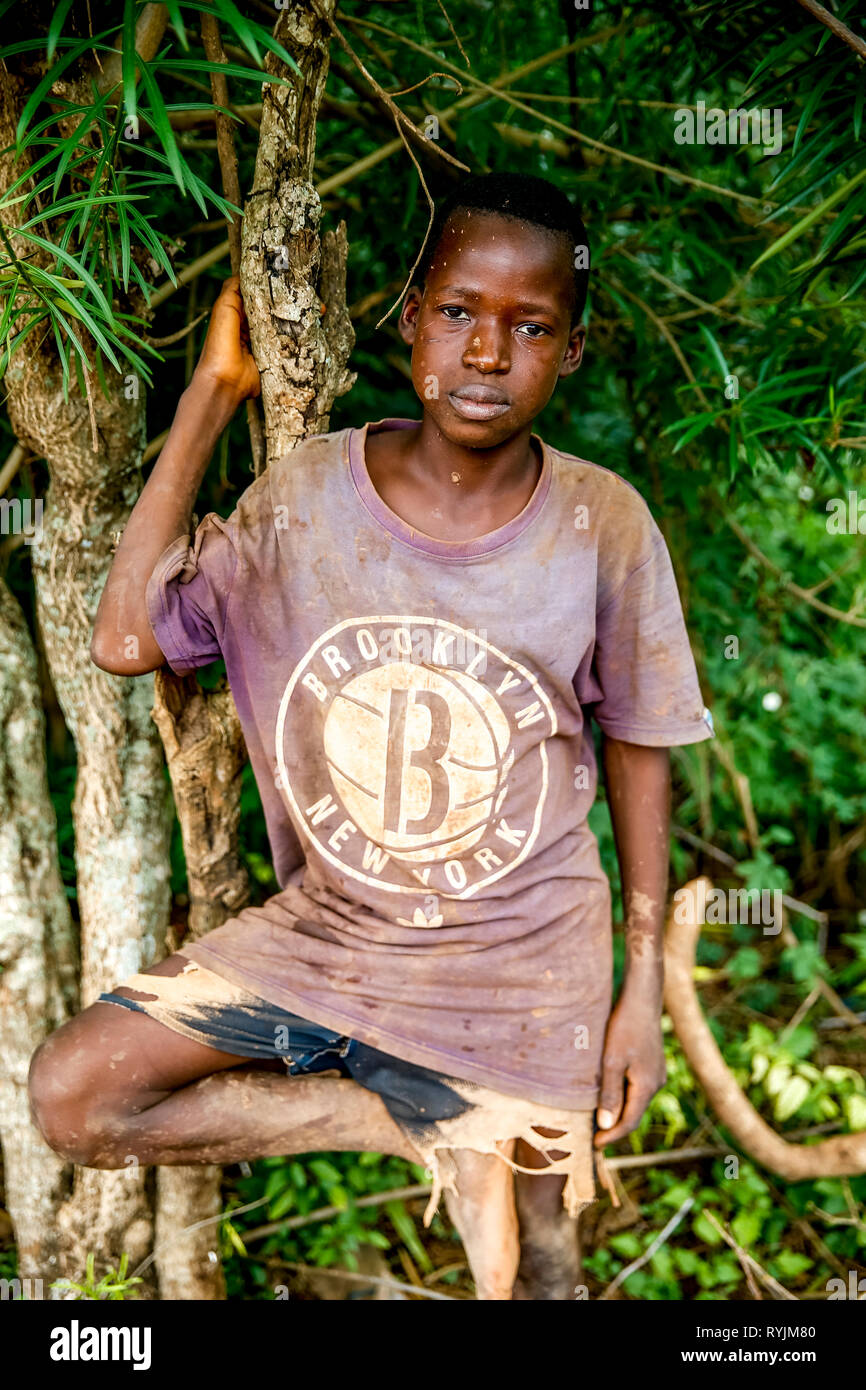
826, 151
405, 1228
129, 62
769, 415
795, 1086
55, 28
247, 31
114, 1286
102, 224
796, 232
791, 1095
296, 1187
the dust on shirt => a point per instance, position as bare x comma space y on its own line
416, 713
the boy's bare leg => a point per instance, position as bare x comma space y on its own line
549, 1248
110, 1083
485, 1216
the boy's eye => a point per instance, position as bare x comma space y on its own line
455, 309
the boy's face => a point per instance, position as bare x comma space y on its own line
491, 334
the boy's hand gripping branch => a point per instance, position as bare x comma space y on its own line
123, 641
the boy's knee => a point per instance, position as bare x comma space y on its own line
62, 1106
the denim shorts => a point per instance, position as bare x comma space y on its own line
436, 1112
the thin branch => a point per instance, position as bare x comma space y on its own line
794, 904
176, 337
851, 618
803, 1224
686, 294
205, 115
432, 208
811, 998
653, 1246
834, 575
852, 1020
375, 1199
835, 26
454, 32
14, 460
667, 335
380, 1280
745, 1258
153, 446
666, 170
742, 789
660, 1159
88, 374
201, 263
197, 1226
400, 117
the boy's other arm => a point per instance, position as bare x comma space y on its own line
639, 796
225, 375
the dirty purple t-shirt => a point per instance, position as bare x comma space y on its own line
416, 715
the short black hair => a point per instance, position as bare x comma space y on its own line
526, 198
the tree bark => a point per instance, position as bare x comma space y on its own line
38, 948
204, 746
294, 289
294, 282
121, 828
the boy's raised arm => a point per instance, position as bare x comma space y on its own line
225, 375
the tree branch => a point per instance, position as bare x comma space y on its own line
835, 26
845, 1154
806, 595
210, 33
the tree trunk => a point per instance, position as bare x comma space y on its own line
294, 290
294, 282
121, 828
201, 734
38, 949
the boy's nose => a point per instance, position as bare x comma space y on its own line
488, 349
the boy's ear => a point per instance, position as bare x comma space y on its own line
574, 351
408, 321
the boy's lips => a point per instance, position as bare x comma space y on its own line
479, 402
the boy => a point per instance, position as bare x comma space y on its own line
417, 619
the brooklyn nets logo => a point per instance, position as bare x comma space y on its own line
411, 730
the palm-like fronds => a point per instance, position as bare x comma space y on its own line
88, 233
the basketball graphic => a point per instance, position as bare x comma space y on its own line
411, 745
419, 758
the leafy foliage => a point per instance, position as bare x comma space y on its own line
723, 377
115, 1285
